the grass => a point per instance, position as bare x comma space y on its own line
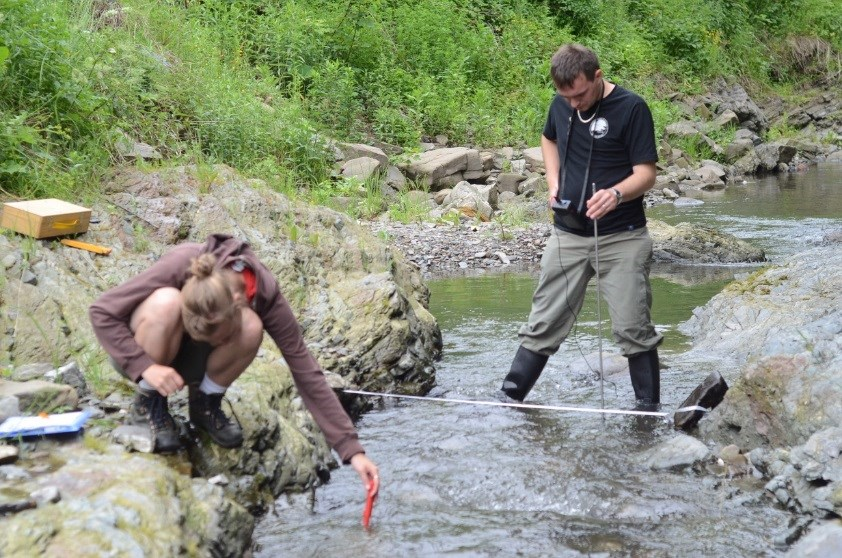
141, 238
206, 175
513, 215
95, 368
409, 207
452, 217
694, 148
780, 130
94, 443
358, 198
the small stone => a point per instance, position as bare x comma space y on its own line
114, 402
70, 374
707, 395
9, 407
16, 506
13, 473
220, 480
8, 454
134, 437
46, 495
687, 202
34, 371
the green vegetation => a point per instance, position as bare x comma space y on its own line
261, 85
409, 206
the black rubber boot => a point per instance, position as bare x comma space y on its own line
150, 409
645, 372
206, 413
526, 368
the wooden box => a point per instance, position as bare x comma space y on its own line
45, 218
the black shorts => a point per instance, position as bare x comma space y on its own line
191, 361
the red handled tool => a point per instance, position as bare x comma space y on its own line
369, 504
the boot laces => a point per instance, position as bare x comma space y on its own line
218, 417
159, 413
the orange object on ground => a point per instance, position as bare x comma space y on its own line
104, 250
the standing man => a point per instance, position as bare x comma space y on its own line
599, 152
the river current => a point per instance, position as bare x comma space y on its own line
467, 480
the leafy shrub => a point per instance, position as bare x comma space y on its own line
49, 114
332, 99
394, 125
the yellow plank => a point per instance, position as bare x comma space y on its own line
104, 250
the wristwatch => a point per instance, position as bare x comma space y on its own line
619, 195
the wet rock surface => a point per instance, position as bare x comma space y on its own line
783, 327
76, 500
707, 395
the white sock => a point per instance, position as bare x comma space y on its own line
210, 387
144, 385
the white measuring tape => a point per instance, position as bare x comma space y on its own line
526, 405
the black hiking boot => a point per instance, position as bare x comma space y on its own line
150, 409
645, 372
526, 367
206, 413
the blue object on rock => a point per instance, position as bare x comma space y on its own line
62, 423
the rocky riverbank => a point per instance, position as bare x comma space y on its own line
441, 249
782, 327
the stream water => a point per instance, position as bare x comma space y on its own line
466, 480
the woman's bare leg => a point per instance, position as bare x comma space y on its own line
229, 360
157, 325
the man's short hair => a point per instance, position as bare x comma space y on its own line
571, 60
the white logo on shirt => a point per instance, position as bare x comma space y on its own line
599, 128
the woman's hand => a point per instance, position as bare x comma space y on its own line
163, 378
367, 471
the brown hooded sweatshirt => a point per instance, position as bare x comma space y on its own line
111, 313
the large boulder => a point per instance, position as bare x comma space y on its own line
445, 167
107, 503
471, 200
361, 168
686, 242
351, 151
734, 98
534, 158
775, 312
773, 154
778, 336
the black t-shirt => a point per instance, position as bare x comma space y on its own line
623, 136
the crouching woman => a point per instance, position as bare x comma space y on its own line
196, 317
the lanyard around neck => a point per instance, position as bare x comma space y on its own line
590, 154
